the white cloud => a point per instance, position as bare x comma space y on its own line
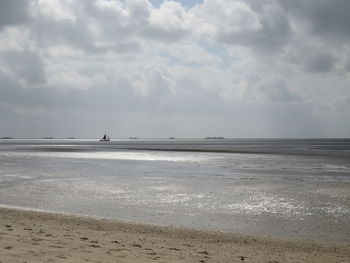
189, 53
55, 9
229, 58
153, 82
169, 21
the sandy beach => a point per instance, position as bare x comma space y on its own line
28, 236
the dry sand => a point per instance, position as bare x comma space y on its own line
27, 236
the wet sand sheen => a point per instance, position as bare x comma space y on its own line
47, 237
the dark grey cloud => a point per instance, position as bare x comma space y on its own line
320, 62
119, 95
347, 65
316, 32
330, 18
13, 92
259, 25
276, 90
190, 97
25, 65
50, 32
102, 98
14, 12
273, 35
315, 58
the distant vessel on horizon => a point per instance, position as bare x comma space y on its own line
105, 138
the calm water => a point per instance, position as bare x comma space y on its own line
298, 188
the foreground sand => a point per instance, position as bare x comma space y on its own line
44, 237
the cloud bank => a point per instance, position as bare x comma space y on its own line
143, 68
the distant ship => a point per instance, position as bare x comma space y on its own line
105, 138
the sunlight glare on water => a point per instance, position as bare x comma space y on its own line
120, 155
226, 191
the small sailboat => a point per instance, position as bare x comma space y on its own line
105, 138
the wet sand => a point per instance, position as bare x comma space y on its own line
27, 236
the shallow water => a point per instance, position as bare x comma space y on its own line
298, 188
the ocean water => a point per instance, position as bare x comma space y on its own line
293, 188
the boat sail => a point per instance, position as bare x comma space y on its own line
105, 138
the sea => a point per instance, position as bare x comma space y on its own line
295, 188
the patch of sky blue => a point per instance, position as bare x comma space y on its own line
211, 47
185, 3
175, 61
216, 49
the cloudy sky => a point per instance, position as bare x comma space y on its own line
186, 68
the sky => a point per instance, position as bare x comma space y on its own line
152, 68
